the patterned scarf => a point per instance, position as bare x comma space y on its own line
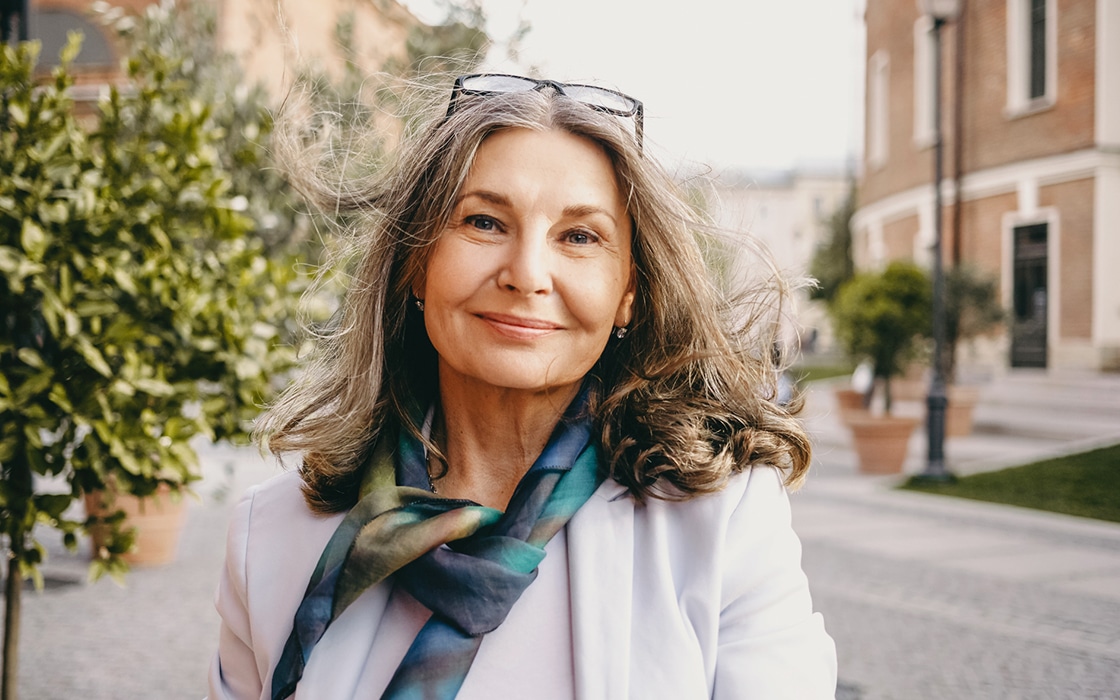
470, 584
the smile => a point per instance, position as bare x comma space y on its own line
519, 328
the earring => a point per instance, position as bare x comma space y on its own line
419, 303
620, 332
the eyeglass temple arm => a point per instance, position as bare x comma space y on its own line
639, 125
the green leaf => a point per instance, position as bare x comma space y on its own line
70, 51
54, 505
93, 356
54, 213
17, 114
9, 446
33, 239
59, 398
29, 357
154, 387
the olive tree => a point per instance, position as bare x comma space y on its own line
883, 317
138, 312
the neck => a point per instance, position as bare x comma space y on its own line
492, 436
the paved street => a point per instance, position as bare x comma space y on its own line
927, 597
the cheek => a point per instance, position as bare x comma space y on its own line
598, 303
447, 272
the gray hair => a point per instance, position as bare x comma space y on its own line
684, 400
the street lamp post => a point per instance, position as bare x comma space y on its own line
940, 12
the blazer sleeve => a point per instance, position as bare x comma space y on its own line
233, 671
771, 643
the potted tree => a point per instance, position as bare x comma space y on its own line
881, 318
137, 311
972, 309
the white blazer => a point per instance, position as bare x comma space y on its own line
700, 599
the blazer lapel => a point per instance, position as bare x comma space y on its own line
601, 572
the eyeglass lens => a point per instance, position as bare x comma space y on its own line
588, 94
498, 83
598, 97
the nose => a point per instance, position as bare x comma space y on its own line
527, 266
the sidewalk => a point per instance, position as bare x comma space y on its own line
927, 597
934, 597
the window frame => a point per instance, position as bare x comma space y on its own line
924, 132
1019, 59
878, 110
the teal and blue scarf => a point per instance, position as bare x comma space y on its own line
399, 528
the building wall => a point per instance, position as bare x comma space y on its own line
1046, 160
991, 135
981, 226
275, 39
788, 213
1073, 202
890, 33
898, 239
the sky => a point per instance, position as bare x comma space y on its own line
735, 84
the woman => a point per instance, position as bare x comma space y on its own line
536, 460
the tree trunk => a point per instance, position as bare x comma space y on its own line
13, 589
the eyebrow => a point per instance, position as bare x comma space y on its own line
575, 210
486, 196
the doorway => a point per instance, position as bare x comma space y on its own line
1029, 297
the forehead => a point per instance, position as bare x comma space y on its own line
551, 160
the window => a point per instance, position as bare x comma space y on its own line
1038, 49
878, 110
923, 82
1032, 63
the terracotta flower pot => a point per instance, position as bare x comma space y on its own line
881, 442
958, 412
158, 520
849, 402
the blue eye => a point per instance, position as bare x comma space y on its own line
482, 222
580, 237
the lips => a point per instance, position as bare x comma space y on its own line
519, 327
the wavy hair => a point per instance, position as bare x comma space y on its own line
686, 399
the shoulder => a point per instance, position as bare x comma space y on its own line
750, 499
274, 543
697, 535
274, 517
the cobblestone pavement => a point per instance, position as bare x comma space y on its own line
927, 597
965, 602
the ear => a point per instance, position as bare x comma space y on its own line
625, 312
418, 285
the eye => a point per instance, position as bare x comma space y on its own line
581, 237
482, 222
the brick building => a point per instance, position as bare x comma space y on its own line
1031, 128
271, 39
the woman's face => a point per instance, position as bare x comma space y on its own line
523, 287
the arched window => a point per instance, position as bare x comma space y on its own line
51, 27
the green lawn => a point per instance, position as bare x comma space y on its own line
1085, 484
803, 374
